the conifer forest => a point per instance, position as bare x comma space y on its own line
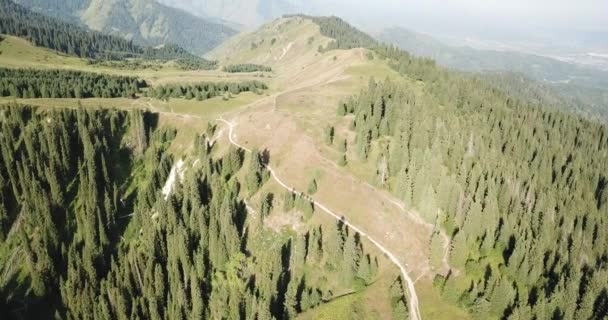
308, 167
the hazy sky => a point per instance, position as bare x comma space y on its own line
559, 23
554, 23
558, 14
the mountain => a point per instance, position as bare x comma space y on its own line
58, 9
504, 177
510, 181
152, 215
465, 58
282, 41
582, 83
68, 38
243, 12
589, 102
146, 22
429, 194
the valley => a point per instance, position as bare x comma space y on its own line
143, 21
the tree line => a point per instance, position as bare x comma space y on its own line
33, 83
246, 67
204, 90
74, 40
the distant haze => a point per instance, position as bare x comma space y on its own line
563, 22
559, 14
560, 23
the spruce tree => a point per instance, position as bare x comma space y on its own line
312, 187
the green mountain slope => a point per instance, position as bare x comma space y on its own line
589, 102
520, 188
99, 220
506, 180
54, 33
433, 194
469, 59
564, 81
146, 22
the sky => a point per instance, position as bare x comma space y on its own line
561, 24
555, 14
541, 26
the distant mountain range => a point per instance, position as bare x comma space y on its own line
567, 81
246, 13
146, 22
468, 59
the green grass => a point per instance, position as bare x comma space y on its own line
432, 305
239, 49
210, 108
374, 68
344, 308
371, 302
18, 52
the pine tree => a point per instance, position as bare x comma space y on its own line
398, 300
266, 204
291, 302
437, 251
329, 133
312, 187
350, 259
256, 174
288, 200
342, 161
459, 251
197, 300
343, 146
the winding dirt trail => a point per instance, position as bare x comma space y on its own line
419, 220
295, 83
413, 297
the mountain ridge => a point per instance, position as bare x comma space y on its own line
248, 13
490, 206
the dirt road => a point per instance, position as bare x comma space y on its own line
413, 297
